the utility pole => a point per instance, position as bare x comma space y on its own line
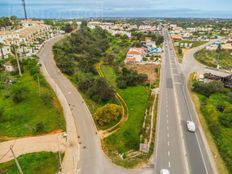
60, 168
24, 8
16, 161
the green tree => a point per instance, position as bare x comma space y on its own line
1, 47
15, 52
108, 114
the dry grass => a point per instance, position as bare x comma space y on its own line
148, 69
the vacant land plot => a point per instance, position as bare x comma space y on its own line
35, 163
180, 51
128, 137
148, 69
39, 111
213, 58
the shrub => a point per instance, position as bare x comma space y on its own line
18, 93
226, 117
47, 99
39, 127
1, 114
107, 114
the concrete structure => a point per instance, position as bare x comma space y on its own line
135, 55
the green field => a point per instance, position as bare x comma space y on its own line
33, 115
34, 163
212, 58
128, 137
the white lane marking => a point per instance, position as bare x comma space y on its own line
167, 115
168, 153
169, 164
167, 121
167, 128
167, 134
168, 143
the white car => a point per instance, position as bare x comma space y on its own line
191, 126
164, 171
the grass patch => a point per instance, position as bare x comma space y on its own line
208, 114
128, 137
21, 119
213, 58
34, 163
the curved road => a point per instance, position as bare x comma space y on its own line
92, 158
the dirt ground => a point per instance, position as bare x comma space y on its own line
148, 69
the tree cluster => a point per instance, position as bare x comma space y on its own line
208, 88
96, 88
8, 21
128, 77
81, 51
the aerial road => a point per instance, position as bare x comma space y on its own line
179, 150
92, 158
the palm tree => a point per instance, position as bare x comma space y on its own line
14, 51
23, 44
1, 47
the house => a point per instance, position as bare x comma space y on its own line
9, 67
135, 55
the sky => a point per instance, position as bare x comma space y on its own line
118, 8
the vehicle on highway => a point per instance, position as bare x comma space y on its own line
191, 126
164, 171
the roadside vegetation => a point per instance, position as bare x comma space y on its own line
117, 97
128, 137
28, 106
34, 163
215, 104
223, 58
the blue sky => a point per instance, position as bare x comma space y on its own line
118, 8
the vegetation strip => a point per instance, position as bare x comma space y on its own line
215, 105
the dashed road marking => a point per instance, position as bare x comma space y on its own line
168, 143
168, 135
168, 153
169, 164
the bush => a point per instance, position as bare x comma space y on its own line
18, 93
226, 117
47, 99
208, 88
108, 114
39, 127
1, 114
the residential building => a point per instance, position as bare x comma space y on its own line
135, 55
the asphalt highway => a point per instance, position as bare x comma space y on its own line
181, 152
